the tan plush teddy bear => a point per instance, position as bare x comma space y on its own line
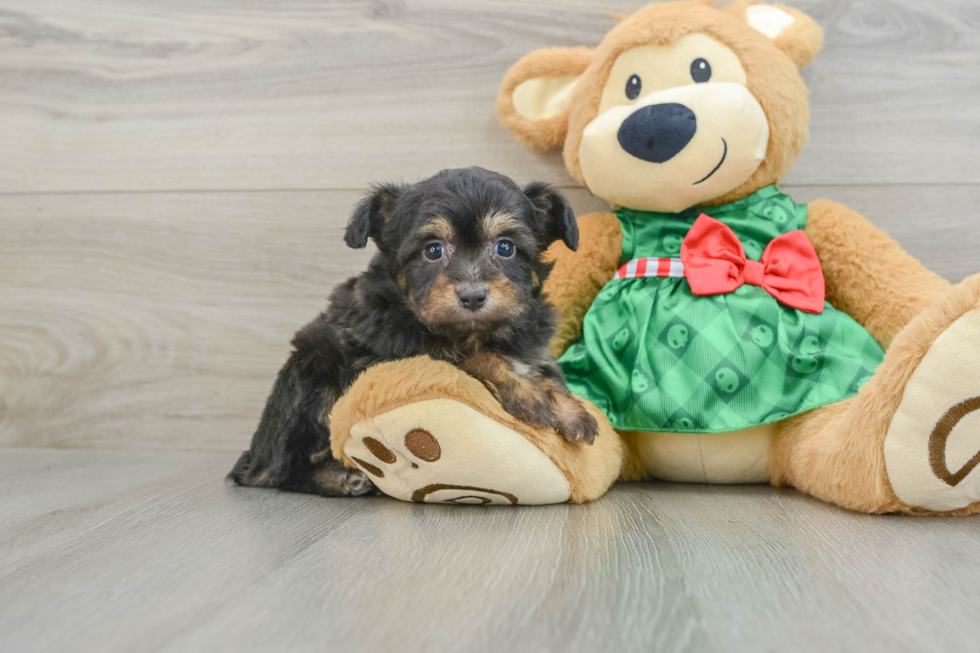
728, 334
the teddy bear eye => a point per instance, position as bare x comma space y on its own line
633, 86
700, 71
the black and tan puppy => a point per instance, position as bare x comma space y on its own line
458, 277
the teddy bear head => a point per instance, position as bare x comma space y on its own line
682, 104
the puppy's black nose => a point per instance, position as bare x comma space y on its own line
472, 297
657, 133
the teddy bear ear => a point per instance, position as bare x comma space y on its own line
535, 94
796, 34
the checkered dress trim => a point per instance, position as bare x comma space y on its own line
640, 268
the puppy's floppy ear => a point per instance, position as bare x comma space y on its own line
559, 219
370, 215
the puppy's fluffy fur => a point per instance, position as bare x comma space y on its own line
458, 277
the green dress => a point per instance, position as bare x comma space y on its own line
654, 357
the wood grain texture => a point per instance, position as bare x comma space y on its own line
290, 94
159, 320
137, 551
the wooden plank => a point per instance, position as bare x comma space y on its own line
159, 320
138, 551
287, 94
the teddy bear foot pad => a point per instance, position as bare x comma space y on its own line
932, 450
443, 451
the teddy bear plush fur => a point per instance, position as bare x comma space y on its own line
908, 440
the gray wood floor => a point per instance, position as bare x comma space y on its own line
173, 183
150, 551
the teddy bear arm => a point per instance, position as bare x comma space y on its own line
867, 274
579, 276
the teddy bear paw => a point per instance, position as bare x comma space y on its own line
443, 451
932, 449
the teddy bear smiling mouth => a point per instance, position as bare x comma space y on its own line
724, 155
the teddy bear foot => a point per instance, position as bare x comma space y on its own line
443, 451
425, 431
910, 440
932, 449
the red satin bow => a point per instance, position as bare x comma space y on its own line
715, 264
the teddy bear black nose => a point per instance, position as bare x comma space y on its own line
658, 132
472, 297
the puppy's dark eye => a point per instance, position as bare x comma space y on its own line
633, 86
505, 248
700, 71
433, 251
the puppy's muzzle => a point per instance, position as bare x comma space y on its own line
472, 298
657, 133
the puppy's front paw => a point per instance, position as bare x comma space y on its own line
574, 422
334, 479
525, 402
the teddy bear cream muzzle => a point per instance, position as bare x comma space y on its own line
675, 148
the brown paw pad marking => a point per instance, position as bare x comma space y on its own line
424, 446
381, 452
368, 467
418, 441
937, 443
419, 495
